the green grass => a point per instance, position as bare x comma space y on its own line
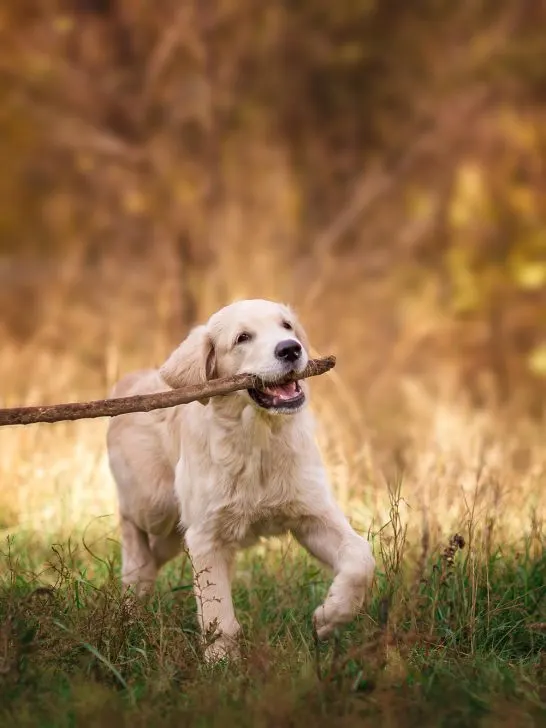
457, 641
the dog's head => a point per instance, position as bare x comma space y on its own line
251, 337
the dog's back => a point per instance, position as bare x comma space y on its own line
143, 381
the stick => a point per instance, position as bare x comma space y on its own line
147, 402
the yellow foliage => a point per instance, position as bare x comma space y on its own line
528, 274
63, 24
465, 286
421, 204
470, 202
518, 130
290, 121
523, 200
537, 361
135, 202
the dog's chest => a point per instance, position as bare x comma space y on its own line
242, 519
255, 456
260, 490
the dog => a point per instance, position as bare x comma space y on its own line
216, 475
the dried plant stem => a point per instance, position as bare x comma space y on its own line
148, 402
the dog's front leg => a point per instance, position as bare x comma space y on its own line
329, 537
212, 584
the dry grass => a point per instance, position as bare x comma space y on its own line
451, 632
457, 464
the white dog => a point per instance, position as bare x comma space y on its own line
220, 476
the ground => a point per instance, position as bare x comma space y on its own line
462, 646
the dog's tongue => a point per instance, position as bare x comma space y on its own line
282, 391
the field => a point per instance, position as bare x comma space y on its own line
454, 633
382, 167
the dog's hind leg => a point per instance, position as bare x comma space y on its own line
165, 548
138, 565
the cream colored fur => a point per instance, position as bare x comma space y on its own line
220, 474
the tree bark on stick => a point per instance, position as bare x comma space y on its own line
147, 402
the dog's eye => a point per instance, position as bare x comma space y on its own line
287, 325
243, 336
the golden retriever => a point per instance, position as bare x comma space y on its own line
220, 474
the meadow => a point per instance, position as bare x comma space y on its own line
453, 499
380, 166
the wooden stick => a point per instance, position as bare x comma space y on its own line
146, 402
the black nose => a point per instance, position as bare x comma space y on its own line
288, 350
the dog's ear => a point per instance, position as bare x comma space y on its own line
194, 362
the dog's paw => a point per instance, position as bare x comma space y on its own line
323, 624
332, 614
223, 648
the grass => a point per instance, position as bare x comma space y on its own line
462, 642
454, 634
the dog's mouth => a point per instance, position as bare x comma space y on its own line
279, 397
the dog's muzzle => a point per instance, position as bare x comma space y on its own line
281, 398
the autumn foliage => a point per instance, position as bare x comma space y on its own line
379, 164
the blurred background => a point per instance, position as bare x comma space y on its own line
380, 165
